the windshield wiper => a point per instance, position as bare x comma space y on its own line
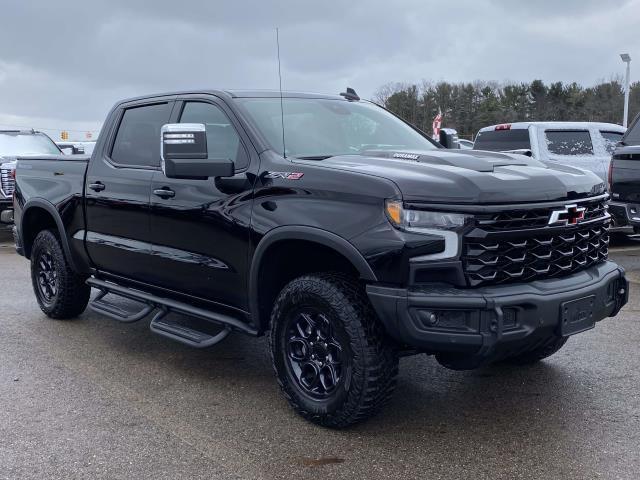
315, 157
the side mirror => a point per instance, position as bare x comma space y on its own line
183, 150
449, 139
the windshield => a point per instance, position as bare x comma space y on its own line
323, 127
13, 144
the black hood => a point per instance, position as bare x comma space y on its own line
472, 176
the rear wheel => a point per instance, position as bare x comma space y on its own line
61, 292
546, 349
332, 358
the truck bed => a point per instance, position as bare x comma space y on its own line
56, 178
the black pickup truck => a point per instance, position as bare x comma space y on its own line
624, 179
342, 231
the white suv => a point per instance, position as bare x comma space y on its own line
587, 145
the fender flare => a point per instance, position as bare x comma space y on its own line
51, 209
311, 234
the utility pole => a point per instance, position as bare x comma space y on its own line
626, 59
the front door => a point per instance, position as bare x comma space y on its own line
118, 190
200, 228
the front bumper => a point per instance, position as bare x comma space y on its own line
6, 212
624, 214
485, 324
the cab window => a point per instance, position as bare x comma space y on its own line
137, 142
610, 140
223, 142
569, 142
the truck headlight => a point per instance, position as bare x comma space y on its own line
443, 224
420, 220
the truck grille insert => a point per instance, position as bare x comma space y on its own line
518, 255
537, 217
6, 182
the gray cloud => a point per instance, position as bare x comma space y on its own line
66, 62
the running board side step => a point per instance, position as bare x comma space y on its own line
159, 325
183, 334
115, 312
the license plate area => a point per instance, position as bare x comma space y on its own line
577, 315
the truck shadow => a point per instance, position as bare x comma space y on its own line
496, 414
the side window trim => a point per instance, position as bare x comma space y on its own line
114, 132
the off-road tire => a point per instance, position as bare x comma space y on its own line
71, 293
550, 346
371, 378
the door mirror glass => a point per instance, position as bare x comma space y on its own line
184, 153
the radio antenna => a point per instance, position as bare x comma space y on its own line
284, 150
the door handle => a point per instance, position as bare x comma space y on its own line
97, 186
164, 192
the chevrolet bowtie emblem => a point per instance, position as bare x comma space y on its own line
569, 215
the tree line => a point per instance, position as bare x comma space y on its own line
467, 107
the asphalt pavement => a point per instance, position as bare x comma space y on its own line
92, 399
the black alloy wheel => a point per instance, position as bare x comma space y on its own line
314, 353
62, 293
47, 277
332, 358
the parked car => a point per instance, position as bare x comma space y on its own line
465, 144
345, 233
587, 145
12, 144
624, 179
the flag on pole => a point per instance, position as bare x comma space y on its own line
436, 125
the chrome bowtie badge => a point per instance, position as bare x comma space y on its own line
569, 215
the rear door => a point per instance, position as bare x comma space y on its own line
118, 189
625, 168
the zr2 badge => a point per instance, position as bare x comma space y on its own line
285, 175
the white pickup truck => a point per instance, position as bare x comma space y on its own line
15, 143
6, 191
587, 145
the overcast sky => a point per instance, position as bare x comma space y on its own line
63, 63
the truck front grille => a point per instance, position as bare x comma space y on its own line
538, 217
6, 182
493, 254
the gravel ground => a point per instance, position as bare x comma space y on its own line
92, 398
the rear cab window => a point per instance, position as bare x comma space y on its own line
503, 139
137, 142
569, 142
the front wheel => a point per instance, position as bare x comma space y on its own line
331, 356
61, 292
